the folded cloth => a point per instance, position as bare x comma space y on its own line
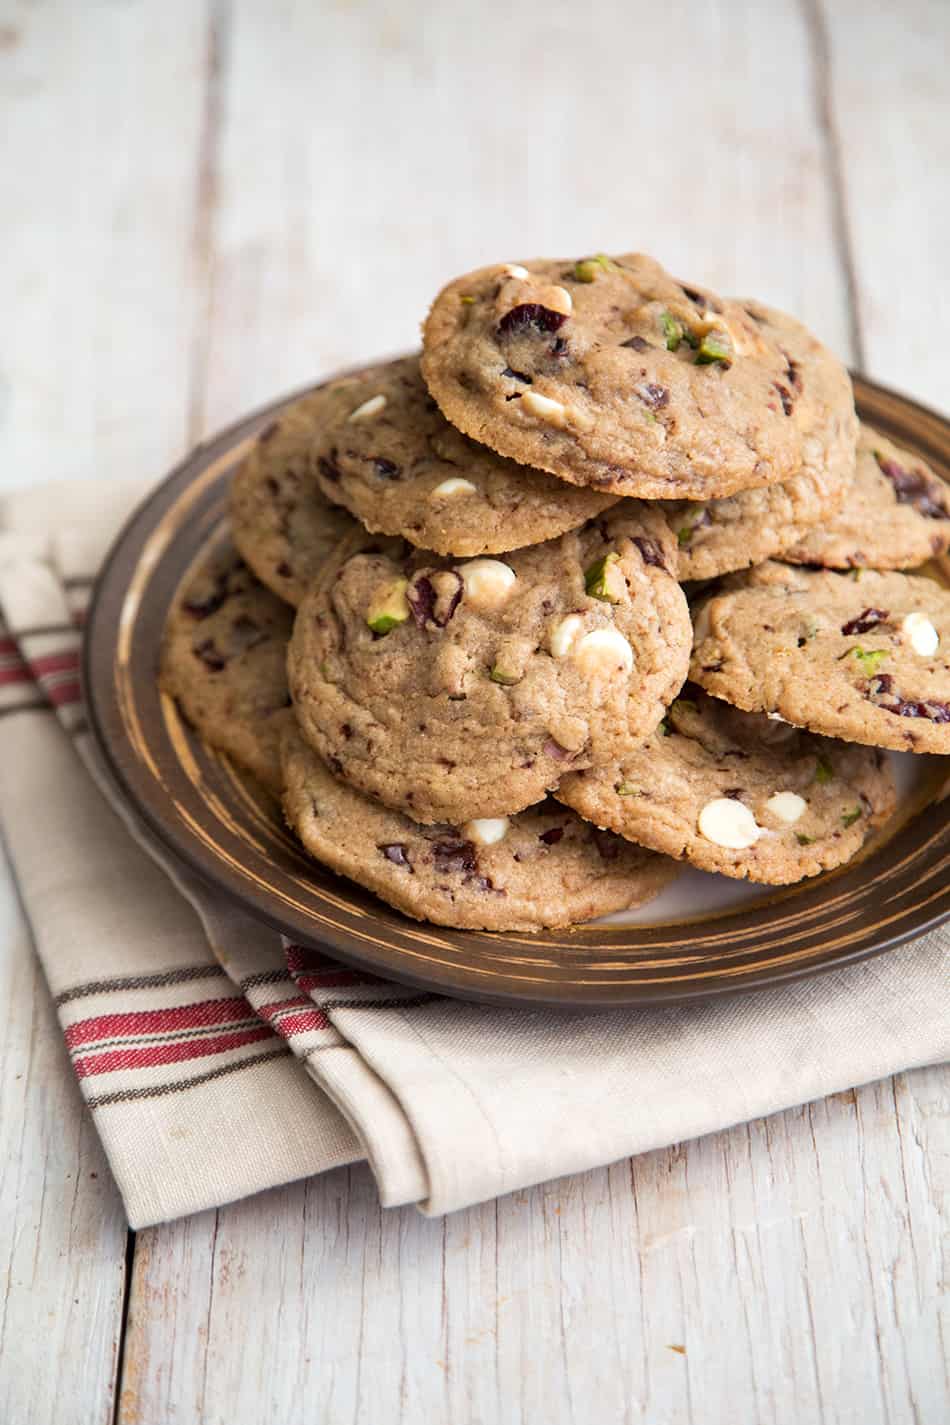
217, 1059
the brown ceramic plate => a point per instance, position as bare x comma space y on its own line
719, 937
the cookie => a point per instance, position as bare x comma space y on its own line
282, 524
544, 867
738, 793
862, 656
458, 690
733, 533
896, 516
223, 657
385, 451
611, 374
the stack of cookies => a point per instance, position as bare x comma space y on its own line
467, 589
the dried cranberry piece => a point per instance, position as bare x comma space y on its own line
328, 467
651, 551
485, 883
210, 656
428, 604
636, 343
792, 373
454, 856
788, 405
204, 605
552, 836
881, 693
517, 376
607, 844
555, 750
420, 597
284, 569
656, 397
530, 314
915, 488
396, 852
865, 620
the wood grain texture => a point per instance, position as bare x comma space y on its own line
367, 153
62, 1228
99, 285
285, 186
886, 74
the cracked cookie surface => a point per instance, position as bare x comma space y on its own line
720, 536
610, 373
459, 689
544, 867
282, 523
223, 657
385, 451
863, 656
896, 515
739, 793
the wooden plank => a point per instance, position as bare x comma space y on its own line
757, 1274
62, 1228
355, 158
102, 116
365, 154
886, 72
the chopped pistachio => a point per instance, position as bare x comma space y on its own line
627, 789
587, 268
850, 817
672, 330
823, 770
870, 659
664, 728
694, 515
604, 579
505, 678
855, 574
466, 301
713, 347
803, 840
388, 606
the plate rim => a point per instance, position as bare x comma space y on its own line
211, 871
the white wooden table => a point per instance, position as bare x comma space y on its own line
205, 204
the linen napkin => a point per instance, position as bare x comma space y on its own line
217, 1059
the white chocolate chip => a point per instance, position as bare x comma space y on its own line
605, 650
564, 633
455, 485
543, 406
369, 408
554, 412
487, 582
486, 831
514, 269
787, 806
777, 717
921, 634
729, 823
558, 299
